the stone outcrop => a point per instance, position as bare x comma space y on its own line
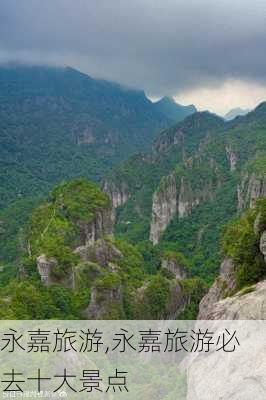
238, 372
118, 193
105, 303
175, 267
102, 225
165, 141
223, 285
164, 207
232, 158
45, 267
178, 300
92, 248
175, 197
187, 200
214, 303
250, 188
248, 304
101, 252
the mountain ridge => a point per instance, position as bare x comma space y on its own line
235, 112
46, 112
176, 112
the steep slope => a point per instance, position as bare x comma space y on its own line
172, 110
141, 175
69, 249
244, 265
58, 123
201, 174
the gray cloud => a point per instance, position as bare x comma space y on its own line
162, 46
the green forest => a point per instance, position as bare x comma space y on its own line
114, 207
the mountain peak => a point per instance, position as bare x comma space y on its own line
172, 110
235, 112
166, 99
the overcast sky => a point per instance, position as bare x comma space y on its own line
209, 52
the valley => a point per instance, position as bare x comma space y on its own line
177, 194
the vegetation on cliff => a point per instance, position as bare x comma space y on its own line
210, 162
241, 242
128, 280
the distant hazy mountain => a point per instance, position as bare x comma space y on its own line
235, 112
58, 123
176, 112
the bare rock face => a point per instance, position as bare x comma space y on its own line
177, 302
249, 190
263, 244
45, 267
101, 225
119, 194
172, 265
248, 304
101, 252
224, 283
164, 207
164, 142
232, 158
103, 302
212, 306
235, 375
175, 198
187, 200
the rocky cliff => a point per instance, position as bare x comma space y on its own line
233, 296
63, 229
91, 247
101, 225
177, 195
251, 187
232, 158
119, 193
164, 207
247, 304
175, 265
237, 373
224, 284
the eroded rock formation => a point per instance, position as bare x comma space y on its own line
164, 207
103, 302
250, 188
175, 197
102, 225
223, 284
45, 267
217, 304
174, 266
118, 193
